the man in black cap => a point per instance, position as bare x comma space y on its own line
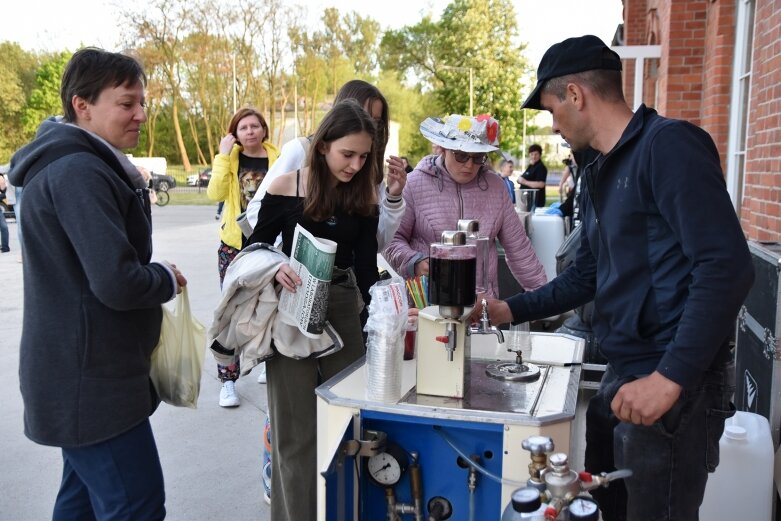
667, 283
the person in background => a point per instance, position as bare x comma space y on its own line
13, 196
568, 177
667, 284
535, 175
147, 175
294, 155
334, 197
92, 297
456, 185
4, 247
570, 208
244, 157
505, 171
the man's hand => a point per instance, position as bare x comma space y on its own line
498, 311
645, 400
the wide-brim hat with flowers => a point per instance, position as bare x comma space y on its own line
467, 134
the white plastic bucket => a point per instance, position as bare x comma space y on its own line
742, 486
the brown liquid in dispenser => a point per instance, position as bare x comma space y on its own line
452, 282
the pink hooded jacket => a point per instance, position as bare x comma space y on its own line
435, 203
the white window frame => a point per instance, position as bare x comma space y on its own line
739, 100
639, 53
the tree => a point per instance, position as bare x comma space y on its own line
160, 31
408, 107
17, 80
45, 98
468, 36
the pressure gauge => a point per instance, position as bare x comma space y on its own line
386, 468
583, 509
526, 500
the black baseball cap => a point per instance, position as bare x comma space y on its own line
573, 55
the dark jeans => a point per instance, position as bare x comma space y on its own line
119, 480
3, 233
670, 460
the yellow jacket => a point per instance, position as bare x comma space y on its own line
224, 186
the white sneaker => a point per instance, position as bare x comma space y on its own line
228, 396
262, 375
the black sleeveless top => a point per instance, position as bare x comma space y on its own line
355, 235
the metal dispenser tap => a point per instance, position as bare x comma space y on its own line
518, 371
485, 327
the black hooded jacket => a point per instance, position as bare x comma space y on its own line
662, 255
91, 296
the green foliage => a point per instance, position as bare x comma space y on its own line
45, 98
408, 107
469, 36
17, 80
200, 55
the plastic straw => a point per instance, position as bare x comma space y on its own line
417, 289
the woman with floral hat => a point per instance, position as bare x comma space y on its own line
455, 184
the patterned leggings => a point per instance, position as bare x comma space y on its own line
225, 255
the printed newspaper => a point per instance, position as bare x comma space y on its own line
312, 259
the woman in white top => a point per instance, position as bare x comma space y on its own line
294, 152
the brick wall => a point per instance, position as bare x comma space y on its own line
695, 81
717, 73
761, 215
634, 34
682, 25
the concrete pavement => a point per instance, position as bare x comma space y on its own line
211, 456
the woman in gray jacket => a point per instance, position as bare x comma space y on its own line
91, 295
455, 184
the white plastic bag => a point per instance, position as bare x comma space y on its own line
178, 358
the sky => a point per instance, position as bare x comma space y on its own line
54, 25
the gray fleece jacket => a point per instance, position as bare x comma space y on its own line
91, 296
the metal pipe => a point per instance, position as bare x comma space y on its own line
416, 487
390, 501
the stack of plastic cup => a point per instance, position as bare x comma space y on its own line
384, 354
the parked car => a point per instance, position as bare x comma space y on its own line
162, 182
200, 179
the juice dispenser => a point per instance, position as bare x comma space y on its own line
443, 327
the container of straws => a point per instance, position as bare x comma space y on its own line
417, 293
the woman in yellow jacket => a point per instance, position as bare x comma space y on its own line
244, 158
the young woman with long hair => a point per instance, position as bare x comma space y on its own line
334, 198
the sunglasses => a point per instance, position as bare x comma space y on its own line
463, 157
